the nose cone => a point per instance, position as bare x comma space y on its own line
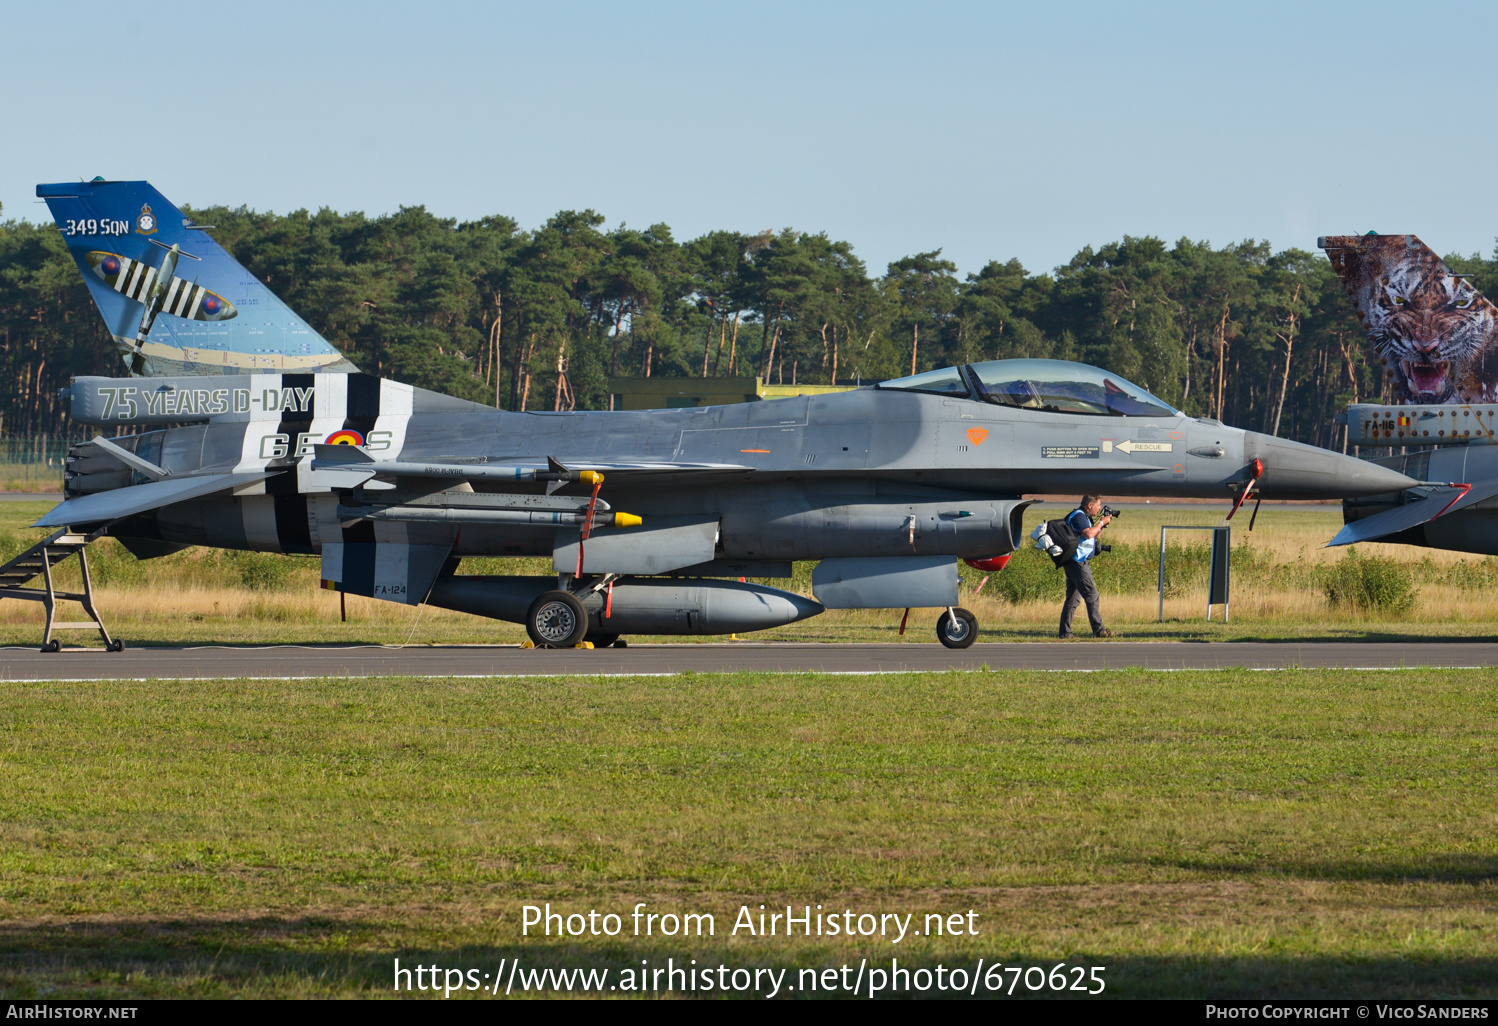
1296, 471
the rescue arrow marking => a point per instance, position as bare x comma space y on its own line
1133, 447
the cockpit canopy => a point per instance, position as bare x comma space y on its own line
1054, 386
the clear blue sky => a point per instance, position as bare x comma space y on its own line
990, 130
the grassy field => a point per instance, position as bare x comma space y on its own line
1199, 834
1280, 577
31, 477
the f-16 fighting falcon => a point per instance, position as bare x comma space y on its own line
241, 427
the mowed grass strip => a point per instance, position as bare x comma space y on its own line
1200, 833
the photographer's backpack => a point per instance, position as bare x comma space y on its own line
1057, 539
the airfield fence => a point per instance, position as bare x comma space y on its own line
32, 464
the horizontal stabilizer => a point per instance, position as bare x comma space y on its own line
123, 502
1402, 518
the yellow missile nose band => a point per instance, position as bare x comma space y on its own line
590, 477
627, 520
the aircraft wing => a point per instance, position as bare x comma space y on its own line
1402, 518
122, 502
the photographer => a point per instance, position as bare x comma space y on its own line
1079, 585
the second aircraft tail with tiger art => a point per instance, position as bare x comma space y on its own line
1435, 334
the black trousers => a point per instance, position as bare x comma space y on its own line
1079, 588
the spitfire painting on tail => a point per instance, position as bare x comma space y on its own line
158, 288
219, 319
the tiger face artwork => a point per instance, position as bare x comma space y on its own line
1436, 335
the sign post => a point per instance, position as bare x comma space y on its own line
1217, 581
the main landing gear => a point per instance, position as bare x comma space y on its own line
556, 620
957, 628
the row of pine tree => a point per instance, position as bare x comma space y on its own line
541, 319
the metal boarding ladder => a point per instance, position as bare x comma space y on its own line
38, 561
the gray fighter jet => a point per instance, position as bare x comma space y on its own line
650, 518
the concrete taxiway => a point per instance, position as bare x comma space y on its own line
294, 661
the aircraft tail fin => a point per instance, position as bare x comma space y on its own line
173, 299
1436, 335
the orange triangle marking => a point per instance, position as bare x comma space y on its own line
977, 435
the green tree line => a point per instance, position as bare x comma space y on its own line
540, 319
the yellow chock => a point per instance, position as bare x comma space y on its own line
583, 644
733, 637
527, 644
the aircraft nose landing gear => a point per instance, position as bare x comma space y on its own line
957, 628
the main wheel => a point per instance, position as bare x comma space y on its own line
556, 620
957, 629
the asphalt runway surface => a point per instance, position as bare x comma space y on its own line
295, 661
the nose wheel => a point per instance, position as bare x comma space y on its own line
957, 628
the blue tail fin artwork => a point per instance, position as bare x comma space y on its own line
173, 299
